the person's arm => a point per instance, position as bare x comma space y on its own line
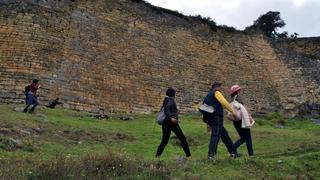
224, 102
170, 110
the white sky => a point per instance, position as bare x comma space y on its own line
301, 16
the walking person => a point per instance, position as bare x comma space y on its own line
214, 121
171, 123
31, 93
243, 121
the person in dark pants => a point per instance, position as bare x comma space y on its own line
31, 93
244, 133
215, 121
171, 123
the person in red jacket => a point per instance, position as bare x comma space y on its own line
31, 93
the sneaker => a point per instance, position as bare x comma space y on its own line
236, 155
210, 158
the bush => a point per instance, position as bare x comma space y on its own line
206, 20
229, 28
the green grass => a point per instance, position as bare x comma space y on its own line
63, 144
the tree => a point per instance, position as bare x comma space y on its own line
283, 35
294, 35
269, 23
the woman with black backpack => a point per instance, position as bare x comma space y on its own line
171, 123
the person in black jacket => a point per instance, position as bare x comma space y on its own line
215, 121
171, 123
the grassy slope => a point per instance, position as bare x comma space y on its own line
291, 152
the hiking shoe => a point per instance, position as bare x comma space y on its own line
211, 158
25, 110
236, 155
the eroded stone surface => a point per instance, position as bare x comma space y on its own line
122, 55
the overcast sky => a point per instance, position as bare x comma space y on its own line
301, 16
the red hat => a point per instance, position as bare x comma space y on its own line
234, 89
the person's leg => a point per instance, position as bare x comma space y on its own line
166, 131
177, 130
239, 142
35, 104
227, 141
248, 141
215, 135
29, 102
237, 125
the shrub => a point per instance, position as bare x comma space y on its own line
229, 28
206, 20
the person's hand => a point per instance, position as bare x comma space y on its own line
209, 129
235, 116
251, 120
174, 120
39, 86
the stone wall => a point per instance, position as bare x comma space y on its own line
122, 55
302, 57
309, 47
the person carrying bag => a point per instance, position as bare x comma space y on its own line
169, 114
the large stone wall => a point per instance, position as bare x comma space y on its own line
303, 59
122, 55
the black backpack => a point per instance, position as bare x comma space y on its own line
27, 89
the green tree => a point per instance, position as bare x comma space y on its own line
269, 23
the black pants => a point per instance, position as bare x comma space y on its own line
218, 131
167, 127
245, 136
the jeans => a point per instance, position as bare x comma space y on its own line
167, 127
245, 136
31, 100
218, 131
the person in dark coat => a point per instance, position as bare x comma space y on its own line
171, 123
214, 121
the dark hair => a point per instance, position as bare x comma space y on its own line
171, 92
235, 93
35, 81
216, 84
